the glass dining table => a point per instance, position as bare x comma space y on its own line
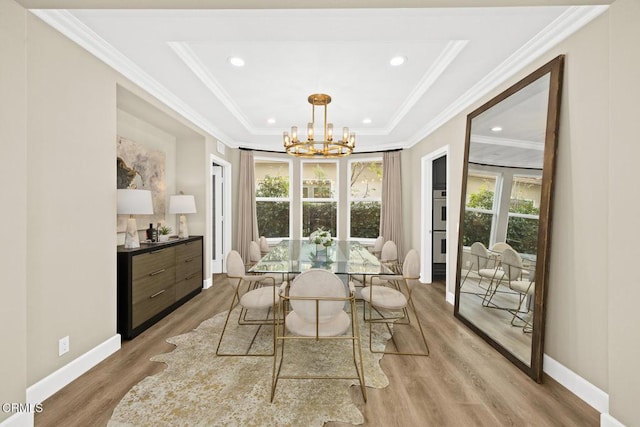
342, 257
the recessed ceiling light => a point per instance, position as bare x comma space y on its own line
271, 121
398, 60
496, 129
366, 121
236, 61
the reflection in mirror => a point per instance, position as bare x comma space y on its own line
509, 161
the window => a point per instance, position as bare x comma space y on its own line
319, 189
365, 198
273, 198
524, 211
480, 208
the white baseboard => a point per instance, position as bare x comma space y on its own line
21, 419
607, 420
50, 384
450, 298
582, 388
207, 283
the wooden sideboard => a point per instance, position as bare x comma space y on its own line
154, 280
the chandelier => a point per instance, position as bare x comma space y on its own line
327, 146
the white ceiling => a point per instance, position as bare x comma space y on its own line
454, 56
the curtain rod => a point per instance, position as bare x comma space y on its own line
282, 152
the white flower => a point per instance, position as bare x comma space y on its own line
321, 237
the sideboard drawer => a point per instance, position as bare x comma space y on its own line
148, 285
188, 250
188, 267
153, 304
188, 285
151, 262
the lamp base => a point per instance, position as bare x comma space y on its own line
183, 230
131, 239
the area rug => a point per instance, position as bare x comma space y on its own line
199, 388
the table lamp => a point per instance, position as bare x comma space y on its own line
182, 204
133, 202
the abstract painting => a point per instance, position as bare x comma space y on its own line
141, 167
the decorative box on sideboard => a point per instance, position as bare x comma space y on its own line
154, 280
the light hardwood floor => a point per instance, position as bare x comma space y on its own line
464, 382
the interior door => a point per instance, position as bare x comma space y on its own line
218, 219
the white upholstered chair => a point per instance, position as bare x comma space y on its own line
482, 266
510, 270
512, 265
389, 256
264, 246
376, 249
261, 299
390, 296
254, 257
311, 308
500, 247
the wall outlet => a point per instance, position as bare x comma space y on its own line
63, 346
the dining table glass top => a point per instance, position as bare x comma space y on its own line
342, 257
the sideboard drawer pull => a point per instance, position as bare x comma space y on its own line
192, 276
157, 272
157, 251
157, 293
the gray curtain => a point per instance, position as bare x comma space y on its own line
391, 227
247, 218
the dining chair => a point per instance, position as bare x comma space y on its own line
391, 297
264, 246
482, 266
511, 271
500, 247
389, 256
360, 280
255, 256
376, 249
260, 299
311, 311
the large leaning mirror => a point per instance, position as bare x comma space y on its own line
505, 219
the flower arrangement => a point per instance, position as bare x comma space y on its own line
321, 237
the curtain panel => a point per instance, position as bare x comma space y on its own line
391, 227
247, 218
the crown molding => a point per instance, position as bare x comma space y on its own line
508, 142
197, 67
566, 24
74, 29
442, 62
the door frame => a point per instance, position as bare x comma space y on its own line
426, 217
226, 201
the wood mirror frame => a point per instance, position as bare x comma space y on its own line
555, 71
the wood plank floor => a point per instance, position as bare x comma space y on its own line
464, 382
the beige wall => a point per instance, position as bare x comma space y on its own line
72, 123
13, 190
142, 133
71, 200
624, 205
69, 181
589, 328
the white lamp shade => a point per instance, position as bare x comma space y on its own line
134, 202
182, 204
